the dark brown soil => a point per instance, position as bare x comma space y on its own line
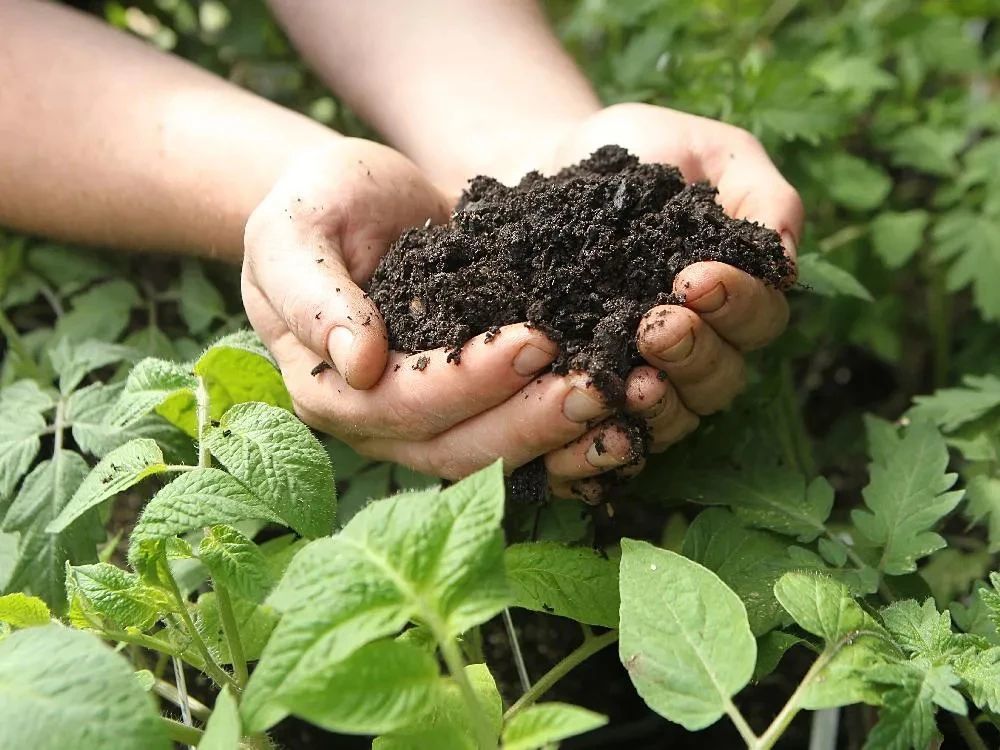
581, 255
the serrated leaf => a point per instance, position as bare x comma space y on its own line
238, 369
545, 723
223, 730
907, 716
115, 596
235, 562
120, 469
749, 562
22, 406
822, 277
971, 243
22, 611
983, 505
195, 499
168, 387
575, 582
80, 695
906, 496
200, 302
920, 630
979, 671
950, 408
896, 236
270, 450
102, 312
255, 623
851, 181
685, 639
432, 556
72, 361
382, 686
776, 499
41, 556
929, 149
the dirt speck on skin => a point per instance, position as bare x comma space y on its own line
421, 363
581, 256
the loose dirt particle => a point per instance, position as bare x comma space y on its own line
319, 368
421, 363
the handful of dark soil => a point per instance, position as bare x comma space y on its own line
581, 255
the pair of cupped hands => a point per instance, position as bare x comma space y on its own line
315, 240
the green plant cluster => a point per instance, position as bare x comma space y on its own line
158, 496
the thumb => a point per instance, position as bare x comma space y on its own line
315, 298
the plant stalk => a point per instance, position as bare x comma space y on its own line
182, 733
584, 651
182, 691
201, 396
232, 634
170, 693
515, 648
968, 731
17, 345
456, 667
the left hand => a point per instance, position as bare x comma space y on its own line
726, 311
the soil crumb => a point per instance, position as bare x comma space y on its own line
581, 255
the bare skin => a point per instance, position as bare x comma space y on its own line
153, 153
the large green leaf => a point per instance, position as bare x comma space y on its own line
270, 450
950, 408
109, 595
433, 556
22, 611
22, 408
685, 639
237, 369
575, 582
65, 689
545, 723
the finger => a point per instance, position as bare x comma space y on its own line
420, 395
545, 415
645, 387
706, 371
743, 310
607, 446
672, 422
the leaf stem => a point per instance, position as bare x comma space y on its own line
201, 396
515, 648
456, 667
581, 653
170, 693
182, 733
968, 731
232, 634
741, 724
140, 639
182, 691
17, 345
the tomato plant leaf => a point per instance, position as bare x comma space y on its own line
907, 716
685, 639
269, 449
22, 611
168, 387
72, 361
255, 623
200, 301
223, 730
44, 706
896, 236
575, 582
120, 469
237, 369
235, 562
823, 277
545, 723
108, 594
22, 408
950, 408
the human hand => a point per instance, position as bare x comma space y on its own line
726, 311
309, 246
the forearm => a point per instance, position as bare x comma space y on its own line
104, 140
460, 86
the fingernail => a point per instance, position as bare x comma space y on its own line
710, 301
602, 459
791, 246
678, 351
340, 342
531, 359
579, 406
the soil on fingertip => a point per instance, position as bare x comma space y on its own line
581, 255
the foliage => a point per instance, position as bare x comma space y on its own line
853, 493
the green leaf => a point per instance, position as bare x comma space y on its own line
776, 499
63, 688
850, 181
822, 277
856, 74
22, 408
906, 496
979, 671
825, 607
575, 582
971, 243
929, 149
102, 312
907, 716
158, 384
897, 236
120, 469
450, 724
223, 730
22, 611
920, 630
433, 556
685, 639
73, 361
270, 450
950, 408
255, 623
195, 499
382, 686
200, 302
41, 556
68, 269
118, 598
770, 648
545, 723
238, 369
235, 562
749, 562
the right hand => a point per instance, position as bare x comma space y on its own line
311, 242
